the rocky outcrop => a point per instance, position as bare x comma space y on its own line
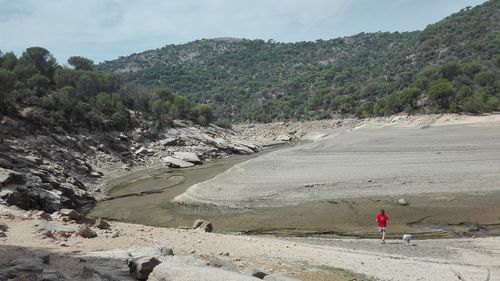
55, 170
10, 177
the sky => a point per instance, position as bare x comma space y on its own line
106, 29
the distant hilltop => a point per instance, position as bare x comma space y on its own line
450, 66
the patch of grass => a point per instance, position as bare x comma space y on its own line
342, 274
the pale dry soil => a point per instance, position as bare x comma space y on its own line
303, 258
446, 166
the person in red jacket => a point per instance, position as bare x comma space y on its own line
382, 220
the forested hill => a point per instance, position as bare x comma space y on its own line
452, 65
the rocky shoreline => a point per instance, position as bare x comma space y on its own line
49, 171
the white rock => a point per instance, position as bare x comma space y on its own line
188, 157
176, 163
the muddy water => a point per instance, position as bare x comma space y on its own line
145, 197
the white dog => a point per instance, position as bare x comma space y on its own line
407, 239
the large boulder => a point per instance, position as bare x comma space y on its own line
203, 225
141, 268
190, 157
85, 231
176, 163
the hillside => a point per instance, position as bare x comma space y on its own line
364, 74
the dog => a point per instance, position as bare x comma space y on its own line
407, 239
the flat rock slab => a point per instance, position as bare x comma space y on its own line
172, 271
188, 157
176, 163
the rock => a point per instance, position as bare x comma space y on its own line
175, 271
95, 174
119, 147
403, 202
46, 233
279, 277
204, 225
101, 224
222, 263
3, 227
142, 267
255, 272
190, 157
176, 163
169, 141
26, 268
10, 177
85, 231
42, 214
141, 150
106, 271
2, 234
123, 137
239, 149
70, 213
4, 163
164, 251
283, 138
50, 230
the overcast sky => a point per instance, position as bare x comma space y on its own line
105, 29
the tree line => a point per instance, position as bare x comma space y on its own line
35, 87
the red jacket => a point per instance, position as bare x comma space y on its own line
382, 220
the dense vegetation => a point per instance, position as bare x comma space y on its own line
451, 66
36, 88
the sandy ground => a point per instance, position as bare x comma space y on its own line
303, 258
397, 158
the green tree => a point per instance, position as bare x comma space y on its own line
181, 107
81, 63
41, 59
39, 83
450, 70
441, 92
204, 114
9, 61
160, 108
409, 97
7, 80
485, 78
87, 85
